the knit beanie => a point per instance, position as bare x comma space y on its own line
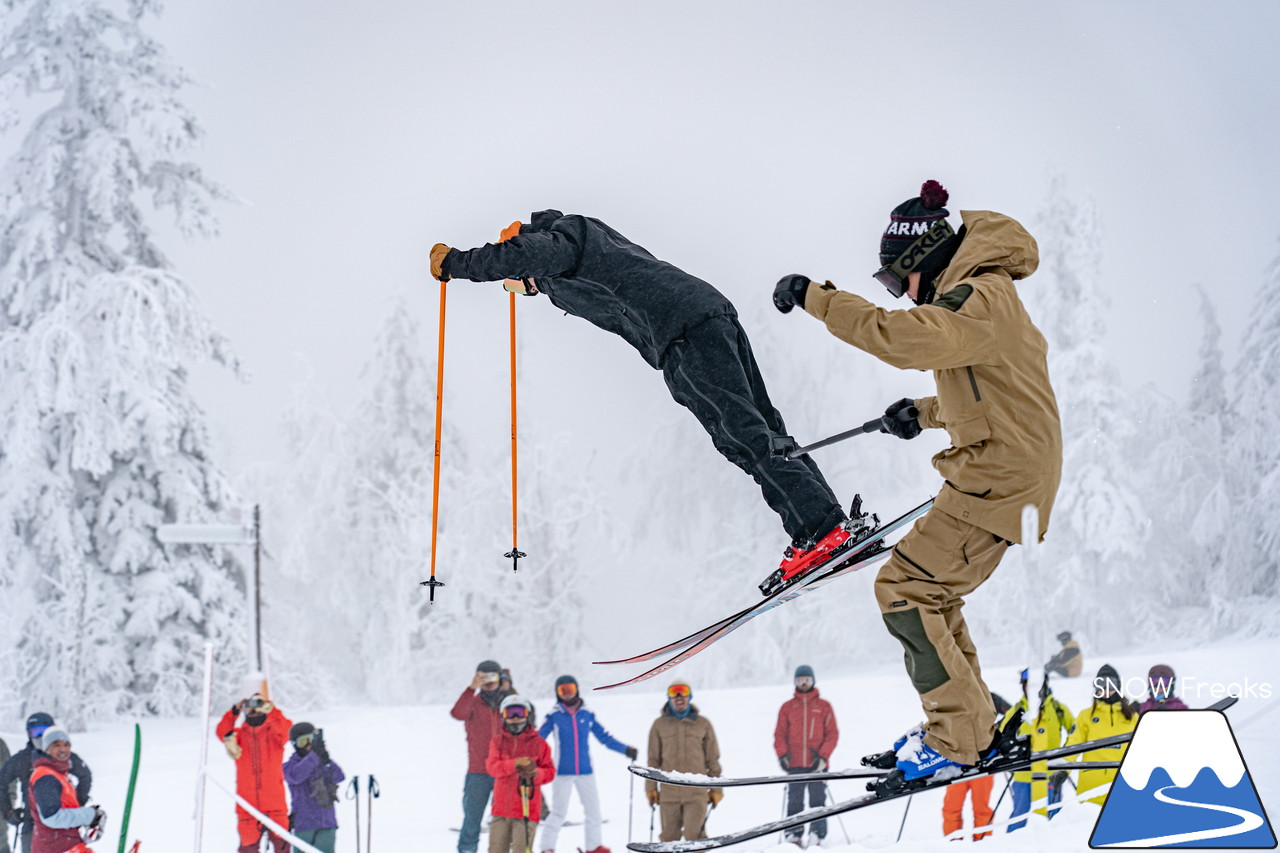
52, 735
804, 671
912, 218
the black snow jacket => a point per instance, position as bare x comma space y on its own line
18, 769
591, 271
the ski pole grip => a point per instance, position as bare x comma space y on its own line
904, 416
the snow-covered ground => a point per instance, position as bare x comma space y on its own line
418, 757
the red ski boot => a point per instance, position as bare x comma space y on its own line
796, 563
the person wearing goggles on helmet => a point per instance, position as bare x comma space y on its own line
520, 763
989, 362
313, 778
682, 326
683, 741
17, 769
574, 724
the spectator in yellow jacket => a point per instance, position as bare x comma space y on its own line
1047, 729
1110, 714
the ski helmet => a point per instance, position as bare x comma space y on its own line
298, 730
516, 712
566, 694
1160, 679
39, 720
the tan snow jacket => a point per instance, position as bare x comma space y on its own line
683, 745
994, 397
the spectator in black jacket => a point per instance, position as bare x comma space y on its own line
682, 326
18, 769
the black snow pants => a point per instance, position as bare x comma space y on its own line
711, 372
817, 792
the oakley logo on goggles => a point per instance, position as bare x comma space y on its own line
678, 690
894, 276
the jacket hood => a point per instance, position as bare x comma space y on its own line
692, 715
541, 220
991, 240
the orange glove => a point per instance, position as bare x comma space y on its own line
438, 251
652, 796
510, 231
714, 796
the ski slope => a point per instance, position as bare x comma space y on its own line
418, 755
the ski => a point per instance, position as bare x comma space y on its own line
872, 798
694, 780
867, 548
133, 782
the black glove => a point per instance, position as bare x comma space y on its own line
319, 747
900, 419
17, 817
784, 761
631, 753
1058, 780
789, 292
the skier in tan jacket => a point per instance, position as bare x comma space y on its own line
996, 403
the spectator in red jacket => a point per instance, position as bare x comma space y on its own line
520, 763
477, 707
257, 746
804, 739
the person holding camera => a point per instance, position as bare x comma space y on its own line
59, 823
256, 744
477, 708
313, 779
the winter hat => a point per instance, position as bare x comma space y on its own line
566, 679
1160, 678
804, 671
909, 220
489, 666
1064, 637
1107, 677
297, 730
52, 735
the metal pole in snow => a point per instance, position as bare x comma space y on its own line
207, 705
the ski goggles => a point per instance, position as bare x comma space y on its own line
804, 681
36, 732
254, 703
304, 741
679, 690
894, 275
567, 691
515, 712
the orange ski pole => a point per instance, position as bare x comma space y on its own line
432, 583
515, 553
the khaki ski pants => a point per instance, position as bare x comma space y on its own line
687, 820
507, 835
920, 591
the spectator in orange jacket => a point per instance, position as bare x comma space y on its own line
257, 745
804, 738
520, 763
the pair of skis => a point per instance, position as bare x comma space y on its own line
865, 547
870, 799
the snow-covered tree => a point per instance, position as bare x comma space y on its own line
1252, 570
102, 441
1098, 523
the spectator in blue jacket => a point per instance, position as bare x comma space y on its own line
573, 725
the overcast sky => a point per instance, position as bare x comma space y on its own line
739, 140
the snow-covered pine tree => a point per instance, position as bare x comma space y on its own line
1251, 574
1098, 523
102, 441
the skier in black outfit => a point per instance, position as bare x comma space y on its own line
18, 768
682, 326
